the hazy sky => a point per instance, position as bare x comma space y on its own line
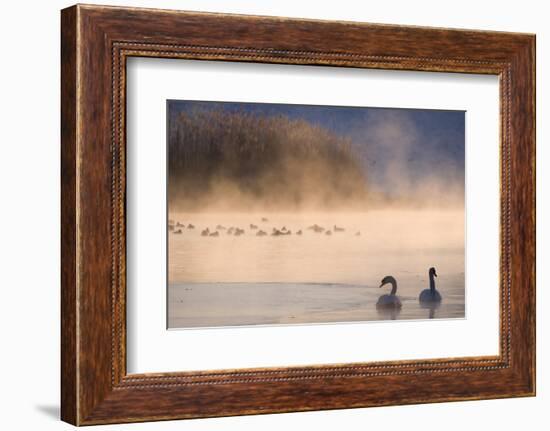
400, 149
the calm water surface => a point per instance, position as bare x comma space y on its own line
229, 280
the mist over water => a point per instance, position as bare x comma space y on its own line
313, 277
275, 219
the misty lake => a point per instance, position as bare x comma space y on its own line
222, 279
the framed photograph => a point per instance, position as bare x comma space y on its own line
267, 215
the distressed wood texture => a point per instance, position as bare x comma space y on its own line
96, 41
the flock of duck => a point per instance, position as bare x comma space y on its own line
177, 228
429, 297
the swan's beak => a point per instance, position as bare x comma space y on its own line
381, 284
435, 274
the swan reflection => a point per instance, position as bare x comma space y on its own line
388, 313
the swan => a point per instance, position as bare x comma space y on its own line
431, 295
392, 300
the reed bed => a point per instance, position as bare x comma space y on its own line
235, 160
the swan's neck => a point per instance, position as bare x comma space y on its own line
432, 283
393, 287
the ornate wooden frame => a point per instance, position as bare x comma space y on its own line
95, 43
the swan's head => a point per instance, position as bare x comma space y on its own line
387, 279
432, 271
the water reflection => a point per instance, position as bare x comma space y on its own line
388, 313
431, 307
